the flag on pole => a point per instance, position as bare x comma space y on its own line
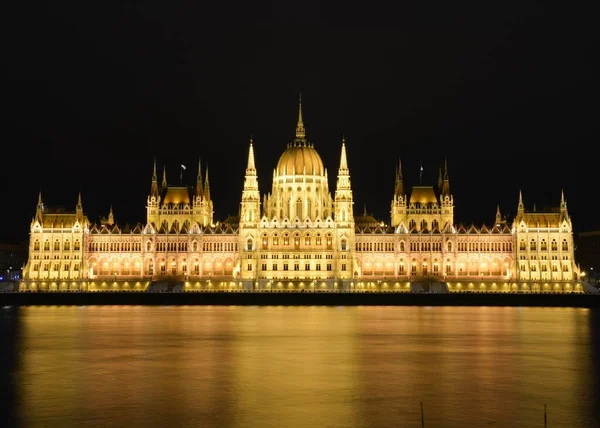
183, 166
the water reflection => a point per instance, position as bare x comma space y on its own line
299, 366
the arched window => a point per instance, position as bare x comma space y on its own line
286, 239
554, 245
318, 239
435, 224
56, 245
423, 224
275, 239
297, 240
412, 224
543, 245
329, 241
532, 245
307, 239
449, 246
194, 246
401, 245
522, 245
67, 245
46, 245
148, 246
343, 245
265, 241
36, 245
565, 245
76, 245
249, 244
299, 208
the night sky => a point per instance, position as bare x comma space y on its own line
93, 92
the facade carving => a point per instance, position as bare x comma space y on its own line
299, 236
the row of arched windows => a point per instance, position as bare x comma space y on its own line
296, 240
412, 224
543, 245
115, 246
57, 247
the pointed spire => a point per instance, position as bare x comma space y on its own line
251, 165
164, 179
563, 205
520, 207
446, 176
498, 216
343, 157
300, 131
111, 217
79, 207
446, 183
440, 182
206, 186
154, 186
399, 185
199, 190
40, 207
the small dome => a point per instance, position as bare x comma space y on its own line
298, 158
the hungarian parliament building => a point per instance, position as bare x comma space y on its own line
300, 237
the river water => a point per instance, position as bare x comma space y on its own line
240, 366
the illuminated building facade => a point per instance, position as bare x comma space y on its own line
301, 237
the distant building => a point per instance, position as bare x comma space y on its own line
588, 254
300, 236
12, 259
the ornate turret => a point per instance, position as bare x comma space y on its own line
164, 179
398, 211
111, 217
343, 191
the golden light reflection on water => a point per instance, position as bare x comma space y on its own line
305, 366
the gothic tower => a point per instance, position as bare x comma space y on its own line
344, 220
249, 219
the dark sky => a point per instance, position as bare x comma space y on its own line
93, 92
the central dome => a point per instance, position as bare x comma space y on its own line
300, 159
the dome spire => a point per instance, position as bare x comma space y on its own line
300, 131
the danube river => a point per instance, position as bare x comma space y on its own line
244, 366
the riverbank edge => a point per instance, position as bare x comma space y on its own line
300, 299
